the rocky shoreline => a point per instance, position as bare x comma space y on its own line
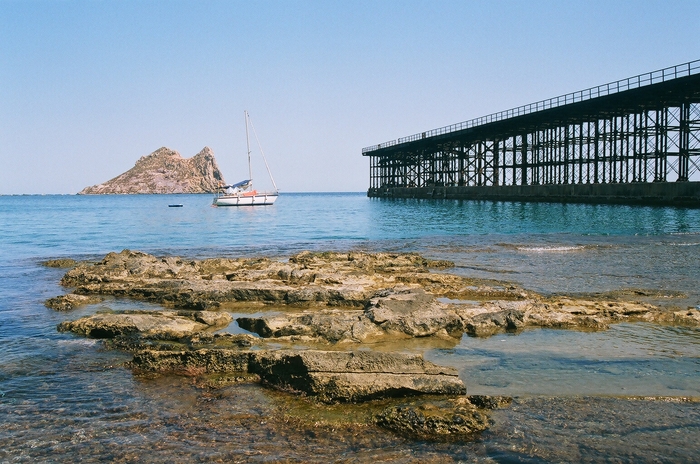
320, 320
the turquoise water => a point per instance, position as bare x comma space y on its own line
63, 398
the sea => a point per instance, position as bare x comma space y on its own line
627, 394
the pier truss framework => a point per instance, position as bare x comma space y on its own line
645, 129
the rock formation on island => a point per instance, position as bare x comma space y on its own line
165, 171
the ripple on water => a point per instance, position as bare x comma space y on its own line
551, 249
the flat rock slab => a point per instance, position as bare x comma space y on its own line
329, 376
158, 324
338, 279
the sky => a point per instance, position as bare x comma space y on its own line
89, 87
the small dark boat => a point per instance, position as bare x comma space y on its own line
175, 206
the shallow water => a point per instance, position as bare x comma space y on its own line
627, 360
63, 398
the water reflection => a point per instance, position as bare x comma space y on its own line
418, 217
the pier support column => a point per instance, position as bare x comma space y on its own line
523, 154
496, 164
684, 143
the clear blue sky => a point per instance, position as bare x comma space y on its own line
88, 87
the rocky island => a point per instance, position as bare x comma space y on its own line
165, 171
330, 327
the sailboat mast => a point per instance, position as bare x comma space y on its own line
263, 155
247, 143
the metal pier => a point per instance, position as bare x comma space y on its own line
636, 140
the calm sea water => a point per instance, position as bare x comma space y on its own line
64, 399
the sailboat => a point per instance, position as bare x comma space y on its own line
242, 193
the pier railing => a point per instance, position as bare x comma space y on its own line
641, 80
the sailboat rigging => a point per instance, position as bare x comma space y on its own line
242, 193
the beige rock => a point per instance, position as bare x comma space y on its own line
329, 376
413, 312
160, 324
691, 317
397, 291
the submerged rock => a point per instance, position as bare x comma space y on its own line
71, 301
691, 317
60, 263
446, 419
489, 402
202, 361
430, 422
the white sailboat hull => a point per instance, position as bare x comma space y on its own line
259, 199
243, 193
